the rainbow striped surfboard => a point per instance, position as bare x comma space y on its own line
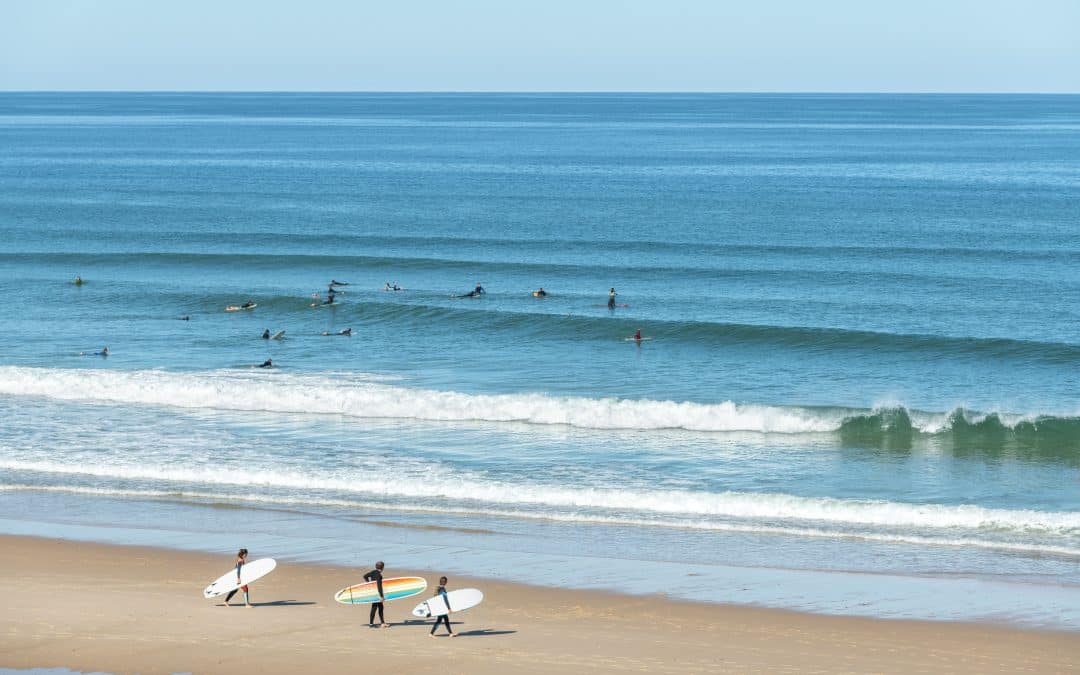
393, 589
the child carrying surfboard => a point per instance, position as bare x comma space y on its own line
445, 618
241, 558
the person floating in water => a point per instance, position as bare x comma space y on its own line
185, 318
266, 334
540, 293
268, 363
445, 618
376, 575
345, 331
241, 559
104, 352
247, 305
78, 280
611, 299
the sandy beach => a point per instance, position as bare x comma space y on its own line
130, 609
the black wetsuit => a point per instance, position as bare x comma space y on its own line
376, 575
445, 618
267, 364
243, 588
611, 301
266, 334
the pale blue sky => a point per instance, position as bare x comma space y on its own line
544, 45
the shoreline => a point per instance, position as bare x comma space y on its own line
148, 601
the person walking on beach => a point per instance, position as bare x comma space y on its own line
241, 558
376, 575
445, 618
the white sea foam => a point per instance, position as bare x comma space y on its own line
268, 500
362, 398
471, 490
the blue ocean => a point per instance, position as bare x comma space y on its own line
857, 393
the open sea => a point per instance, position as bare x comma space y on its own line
859, 395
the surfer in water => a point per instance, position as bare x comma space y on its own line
540, 293
376, 575
104, 352
247, 305
241, 558
78, 280
611, 299
347, 332
637, 335
474, 293
445, 618
266, 334
392, 287
334, 282
268, 363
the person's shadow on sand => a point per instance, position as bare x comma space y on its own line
484, 632
274, 603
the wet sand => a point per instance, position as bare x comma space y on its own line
131, 609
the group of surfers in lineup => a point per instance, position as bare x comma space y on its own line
333, 290
375, 575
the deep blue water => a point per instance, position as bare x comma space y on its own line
863, 312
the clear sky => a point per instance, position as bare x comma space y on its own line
542, 45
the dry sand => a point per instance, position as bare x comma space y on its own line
128, 609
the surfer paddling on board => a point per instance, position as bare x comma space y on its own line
334, 282
268, 363
241, 558
376, 575
247, 305
445, 618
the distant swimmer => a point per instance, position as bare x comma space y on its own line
78, 281
540, 293
474, 293
104, 352
268, 363
393, 287
266, 334
346, 332
247, 305
185, 318
334, 282
611, 299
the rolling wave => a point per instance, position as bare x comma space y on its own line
360, 397
477, 495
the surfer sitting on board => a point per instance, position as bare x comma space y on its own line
241, 558
445, 618
376, 575
474, 293
266, 334
540, 293
267, 364
78, 281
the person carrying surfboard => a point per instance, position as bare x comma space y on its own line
376, 575
445, 618
241, 558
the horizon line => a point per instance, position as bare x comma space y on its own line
548, 92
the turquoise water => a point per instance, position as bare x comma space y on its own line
863, 315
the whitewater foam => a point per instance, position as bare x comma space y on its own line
461, 488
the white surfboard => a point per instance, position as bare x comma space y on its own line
256, 569
460, 600
278, 335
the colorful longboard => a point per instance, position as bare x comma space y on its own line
393, 589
